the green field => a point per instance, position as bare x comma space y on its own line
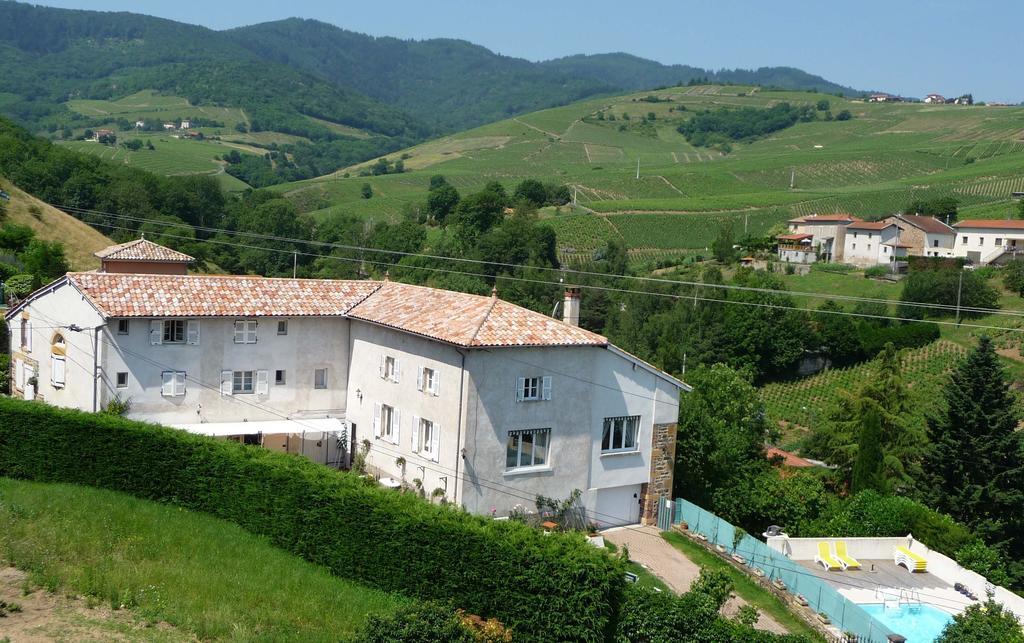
171, 156
871, 166
207, 578
148, 105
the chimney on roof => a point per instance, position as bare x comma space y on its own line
571, 308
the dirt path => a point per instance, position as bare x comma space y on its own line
542, 131
647, 547
42, 617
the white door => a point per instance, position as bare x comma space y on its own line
617, 506
29, 389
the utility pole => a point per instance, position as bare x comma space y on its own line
959, 289
792, 178
295, 263
638, 168
574, 190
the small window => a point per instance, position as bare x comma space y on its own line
389, 368
981, 241
935, 243
245, 331
854, 246
26, 335
620, 433
172, 383
122, 326
320, 378
870, 235
426, 441
527, 448
174, 331
531, 389
242, 382
869, 247
279, 378
282, 327
428, 381
122, 380
999, 241
965, 241
387, 422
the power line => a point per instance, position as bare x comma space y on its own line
564, 271
692, 297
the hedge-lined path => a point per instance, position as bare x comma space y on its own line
647, 547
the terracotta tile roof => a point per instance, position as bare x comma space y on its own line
466, 320
928, 224
132, 295
444, 315
788, 459
996, 224
794, 237
143, 250
825, 218
870, 225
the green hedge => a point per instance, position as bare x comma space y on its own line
555, 587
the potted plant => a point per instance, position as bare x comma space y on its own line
800, 600
779, 584
738, 535
823, 617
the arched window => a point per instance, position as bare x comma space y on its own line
58, 361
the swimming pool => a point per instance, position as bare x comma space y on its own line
919, 623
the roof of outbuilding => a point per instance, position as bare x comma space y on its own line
927, 224
143, 250
995, 224
824, 218
870, 225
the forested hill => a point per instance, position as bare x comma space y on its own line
632, 73
48, 56
455, 84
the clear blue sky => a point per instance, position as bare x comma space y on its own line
910, 47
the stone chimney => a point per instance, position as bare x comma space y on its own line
571, 308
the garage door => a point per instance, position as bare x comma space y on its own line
617, 506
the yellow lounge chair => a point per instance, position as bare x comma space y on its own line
844, 557
913, 562
826, 559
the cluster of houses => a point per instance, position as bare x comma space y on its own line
844, 238
478, 400
882, 97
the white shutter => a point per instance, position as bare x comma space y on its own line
396, 425
398, 371
546, 390
435, 387
57, 370
225, 382
262, 382
19, 374
167, 383
435, 439
179, 383
192, 333
520, 384
156, 332
383, 361
376, 420
239, 332
29, 347
415, 434
419, 378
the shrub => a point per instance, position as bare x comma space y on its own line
392, 541
876, 271
424, 622
873, 338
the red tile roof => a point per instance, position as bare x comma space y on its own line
996, 224
927, 224
134, 295
143, 250
788, 459
870, 225
466, 320
795, 237
444, 315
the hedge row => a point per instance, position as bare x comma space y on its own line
555, 587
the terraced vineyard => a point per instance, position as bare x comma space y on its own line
872, 165
804, 402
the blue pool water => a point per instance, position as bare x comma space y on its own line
919, 623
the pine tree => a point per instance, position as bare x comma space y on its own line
977, 457
868, 467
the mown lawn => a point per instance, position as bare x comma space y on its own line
202, 575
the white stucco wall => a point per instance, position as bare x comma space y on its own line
797, 256
311, 343
867, 248
63, 305
369, 342
938, 245
986, 243
588, 385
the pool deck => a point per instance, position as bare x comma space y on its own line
878, 574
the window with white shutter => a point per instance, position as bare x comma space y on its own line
546, 388
426, 380
528, 389
245, 331
426, 438
225, 382
172, 383
417, 437
262, 382
156, 332
377, 407
58, 371
242, 382
173, 331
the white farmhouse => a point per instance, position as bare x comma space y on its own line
827, 233
985, 241
486, 401
873, 243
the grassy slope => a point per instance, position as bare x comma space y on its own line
744, 586
80, 241
871, 165
197, 573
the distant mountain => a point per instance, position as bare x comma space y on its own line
631, 73
452, 84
